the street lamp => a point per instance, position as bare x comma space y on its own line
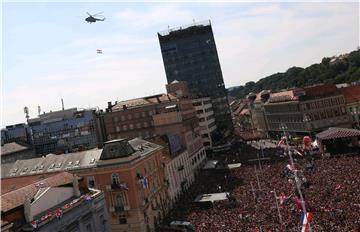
355, 115
306, 120
278, 209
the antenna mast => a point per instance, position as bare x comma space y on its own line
26, 111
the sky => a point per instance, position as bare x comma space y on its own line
49, 51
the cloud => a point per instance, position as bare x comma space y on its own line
156, 15
253, 41
278, 37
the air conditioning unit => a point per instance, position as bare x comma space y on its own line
126, 207
108, 187
112, 209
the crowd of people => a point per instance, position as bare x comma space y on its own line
265, 197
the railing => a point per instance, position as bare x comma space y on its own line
168, 31
119, 186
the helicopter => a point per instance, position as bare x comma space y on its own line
93, 19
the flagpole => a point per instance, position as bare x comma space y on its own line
253, 191
257, 178
283, 127
278, 209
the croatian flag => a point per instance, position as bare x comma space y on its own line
305, 221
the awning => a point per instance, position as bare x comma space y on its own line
336, 133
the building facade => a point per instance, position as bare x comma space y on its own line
130, 173
163, 114
16, 133
352, 102
57, 203
205, 114
64, 131
306, 110
189, 54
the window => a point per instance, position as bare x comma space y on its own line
146, 124
138, 125
115, 119
137, 115
115, 179
124, 127
129, 116
131, 126
122, 118
143, 114
88, 228
122, 219
117, 129
91, 181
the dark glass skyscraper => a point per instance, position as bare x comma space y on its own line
189, 54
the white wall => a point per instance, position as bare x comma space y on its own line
50, 198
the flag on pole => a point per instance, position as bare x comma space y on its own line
282, 141
305, 221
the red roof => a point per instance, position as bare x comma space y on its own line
335, 133
319, 90
351, 93
17, 197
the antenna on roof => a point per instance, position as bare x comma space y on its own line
194, 21
26, 111
39, 110
62, 103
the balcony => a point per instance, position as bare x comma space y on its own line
119, 208
119, 186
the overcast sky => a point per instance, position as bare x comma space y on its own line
49, 51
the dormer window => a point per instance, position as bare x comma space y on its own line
58, 165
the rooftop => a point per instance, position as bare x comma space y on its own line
351, 93
117, 152
13, 199
178, 29
144, 101
9, 148
211, 197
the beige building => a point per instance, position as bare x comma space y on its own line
311, 109
129, 172
206, 118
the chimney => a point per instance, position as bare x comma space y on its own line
124, 107
109, 105
76, 186
27, 210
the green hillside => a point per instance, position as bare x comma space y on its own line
342, 69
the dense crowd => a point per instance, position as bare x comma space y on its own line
331, 189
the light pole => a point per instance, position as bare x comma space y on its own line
278, 209
307, 119
284, 127
355, 115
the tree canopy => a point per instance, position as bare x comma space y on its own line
342, 69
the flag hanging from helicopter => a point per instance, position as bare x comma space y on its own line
98, 51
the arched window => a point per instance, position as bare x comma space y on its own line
115, 179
